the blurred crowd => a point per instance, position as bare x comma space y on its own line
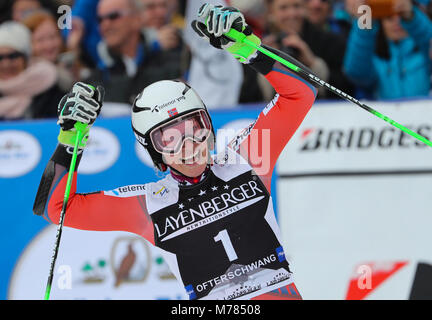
125, 45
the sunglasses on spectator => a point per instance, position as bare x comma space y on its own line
112, 16
11, 56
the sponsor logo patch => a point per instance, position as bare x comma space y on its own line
280, 254
191, 292
127, 191
230, 201
271, 104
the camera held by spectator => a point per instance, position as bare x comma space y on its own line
373, 56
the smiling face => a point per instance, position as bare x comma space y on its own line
46, 41
185, 144
288, 15
192, 160
117, 22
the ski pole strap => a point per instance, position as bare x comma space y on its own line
68, 137
81, 129
240, 37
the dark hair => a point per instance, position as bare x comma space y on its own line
35, 19
382, 49
5, 10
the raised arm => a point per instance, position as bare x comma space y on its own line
119, 210
358, 60
416, 23
280, 119
262, 143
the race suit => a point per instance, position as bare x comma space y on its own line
219, 236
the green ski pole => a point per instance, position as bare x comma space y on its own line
240, 37
80, 128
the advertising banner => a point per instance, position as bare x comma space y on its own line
354, 202
351, 194
94, 265
89, 263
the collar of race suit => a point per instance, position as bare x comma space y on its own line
187, 181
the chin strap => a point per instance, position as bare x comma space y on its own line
185, 180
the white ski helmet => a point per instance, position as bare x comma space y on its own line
159, 103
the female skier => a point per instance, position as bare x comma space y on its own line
211, 216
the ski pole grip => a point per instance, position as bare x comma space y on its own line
80, 128
236, 35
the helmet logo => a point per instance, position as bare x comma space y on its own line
186, 89
158, 108
137, 109
172, 112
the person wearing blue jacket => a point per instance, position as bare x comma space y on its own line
392, 59
84, 16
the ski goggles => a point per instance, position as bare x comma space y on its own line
170, 137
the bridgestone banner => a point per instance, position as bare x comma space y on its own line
354, 196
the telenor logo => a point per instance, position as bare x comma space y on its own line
127, 191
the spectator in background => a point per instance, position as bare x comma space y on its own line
255, 14
159, 32
57, 3
84, 35
127, 63
255, 87
46, 39
22, 8
329, 15
28, 88
162, 26
320, 51
47, 44
155, 13
426, 6
392, 59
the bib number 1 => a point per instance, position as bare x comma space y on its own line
227, 244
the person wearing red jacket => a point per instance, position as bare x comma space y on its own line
212, 216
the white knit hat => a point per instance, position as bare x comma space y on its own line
16, 36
